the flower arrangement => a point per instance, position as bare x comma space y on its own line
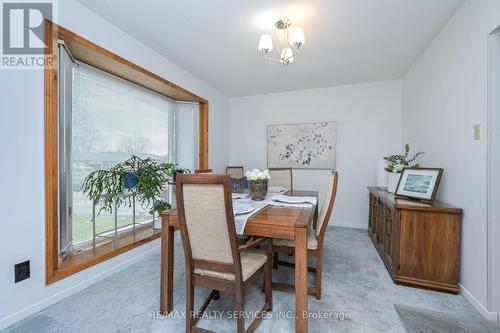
258, 183
257, 174
396, 163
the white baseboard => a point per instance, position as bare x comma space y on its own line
46, 302
349, 225
493, 316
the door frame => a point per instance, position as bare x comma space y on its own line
493, 173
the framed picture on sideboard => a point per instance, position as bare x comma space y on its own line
419, 183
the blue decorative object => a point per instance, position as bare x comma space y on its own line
237, 184
131, 180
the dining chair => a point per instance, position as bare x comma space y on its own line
214, 259
315, 239
235, 171
203, 171
281, 177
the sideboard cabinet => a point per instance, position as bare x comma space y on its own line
419, 243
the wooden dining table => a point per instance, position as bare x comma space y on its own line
272, 222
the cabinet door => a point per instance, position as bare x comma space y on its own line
429, 246
372, 214
387, 232
380, 222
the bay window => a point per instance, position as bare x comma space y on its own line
104, 120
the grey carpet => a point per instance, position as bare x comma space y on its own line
355, 282
416, 320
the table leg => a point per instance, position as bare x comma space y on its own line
167, 268
301, 280
315, 217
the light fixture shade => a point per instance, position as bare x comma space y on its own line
297, 37
266, 43
287, 56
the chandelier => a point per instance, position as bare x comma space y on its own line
288, 41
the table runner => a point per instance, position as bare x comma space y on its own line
241, 220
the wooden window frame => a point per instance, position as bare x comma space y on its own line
96, 56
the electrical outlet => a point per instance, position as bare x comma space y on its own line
477, 132
22, 271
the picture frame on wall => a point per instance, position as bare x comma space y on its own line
302, 145
419, 183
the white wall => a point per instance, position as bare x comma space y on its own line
368, 127
21, 173
444, 95
494, 166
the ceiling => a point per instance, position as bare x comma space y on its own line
347, 41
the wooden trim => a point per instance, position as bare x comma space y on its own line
77, 262
203, 136
94, 55
427, 284
51, 137
84, 50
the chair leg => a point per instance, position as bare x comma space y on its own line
189, 304
240, 308
268, 285
319, 271
275, 260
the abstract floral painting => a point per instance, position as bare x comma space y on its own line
301, 146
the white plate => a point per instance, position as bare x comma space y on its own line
245, 211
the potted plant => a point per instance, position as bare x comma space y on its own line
178, 171
258, 183
396, 164
144, 178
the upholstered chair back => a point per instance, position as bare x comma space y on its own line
281, 177
326, 210
205, 213
235, 171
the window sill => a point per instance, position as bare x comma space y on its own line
87, 257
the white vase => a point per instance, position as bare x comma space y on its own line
382, 175
392, 181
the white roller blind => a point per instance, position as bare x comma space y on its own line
112, 120
115, 116
186, 134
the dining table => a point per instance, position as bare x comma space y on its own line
285, 222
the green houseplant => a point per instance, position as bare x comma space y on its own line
396, 164
145, 178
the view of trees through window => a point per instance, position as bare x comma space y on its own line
112, 120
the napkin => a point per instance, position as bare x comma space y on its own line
276, 189
239, 207
294, 200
